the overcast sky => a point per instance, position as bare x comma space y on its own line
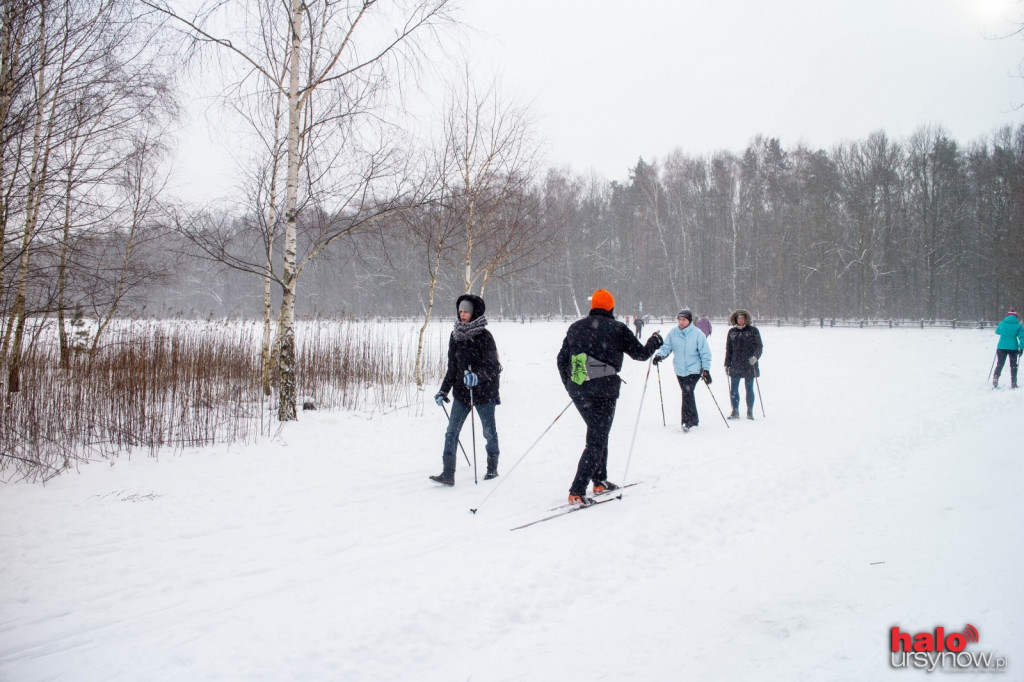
609, 82
613, 81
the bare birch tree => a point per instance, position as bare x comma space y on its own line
330, 62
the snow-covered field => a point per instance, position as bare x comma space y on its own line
884, 488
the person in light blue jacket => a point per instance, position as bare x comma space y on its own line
691, 361
1011, 341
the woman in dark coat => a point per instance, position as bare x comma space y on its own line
742, 352
473, 376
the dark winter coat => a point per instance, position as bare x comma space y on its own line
479, 353
605, 339
741, 344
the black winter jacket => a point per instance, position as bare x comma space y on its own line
741, 344
604, 338
479, 352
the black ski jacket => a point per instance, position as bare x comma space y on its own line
479, 352
741, 344
605, 339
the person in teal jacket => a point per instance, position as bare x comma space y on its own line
691, 361
1011, 341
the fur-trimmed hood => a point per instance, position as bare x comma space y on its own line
479, 307
736, 313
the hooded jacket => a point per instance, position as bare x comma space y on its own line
603, 339
741, 344
1010, 333
478, 352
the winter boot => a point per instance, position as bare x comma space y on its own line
580, 501
735, 414
750, 414
491, 473
443, 480
995, 381
686, 429
604, 487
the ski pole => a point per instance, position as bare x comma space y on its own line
458, 439
661, 397
636, 426
716, 402
989, 377
506, 476
758, 384
472, 425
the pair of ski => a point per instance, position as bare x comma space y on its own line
563, 509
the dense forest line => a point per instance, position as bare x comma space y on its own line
921, 228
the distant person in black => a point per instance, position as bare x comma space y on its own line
639, 324
589, 363
472, 366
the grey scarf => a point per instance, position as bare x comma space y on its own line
466, 330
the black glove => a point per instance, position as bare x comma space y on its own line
655, 340
706, 376
441, 398
657, 359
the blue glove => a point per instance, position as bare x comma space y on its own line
470, 379
441, 398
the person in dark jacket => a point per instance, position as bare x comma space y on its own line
589, 363
473, 376
743, 350
1011, 341
639, 324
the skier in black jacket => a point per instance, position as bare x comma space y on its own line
473, 376
589, 363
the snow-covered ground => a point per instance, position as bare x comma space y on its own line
884, 488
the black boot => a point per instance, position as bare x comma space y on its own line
444, 480
491, 473
750, 414
735, 414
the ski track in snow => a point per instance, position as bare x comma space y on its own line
883, 488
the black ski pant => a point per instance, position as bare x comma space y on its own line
689, 384
597, 413
1001, 355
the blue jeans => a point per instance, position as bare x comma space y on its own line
734, 392
457, 418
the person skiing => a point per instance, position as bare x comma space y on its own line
588, 363
1011, 343
473, 375
743, 350
704, 324
638, 323
692, 362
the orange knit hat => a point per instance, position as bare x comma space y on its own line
602, 299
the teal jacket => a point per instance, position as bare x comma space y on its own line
690, 350
1010, 332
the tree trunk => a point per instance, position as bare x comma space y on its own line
286, 357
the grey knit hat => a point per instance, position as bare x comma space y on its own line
466, 306
685, 312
